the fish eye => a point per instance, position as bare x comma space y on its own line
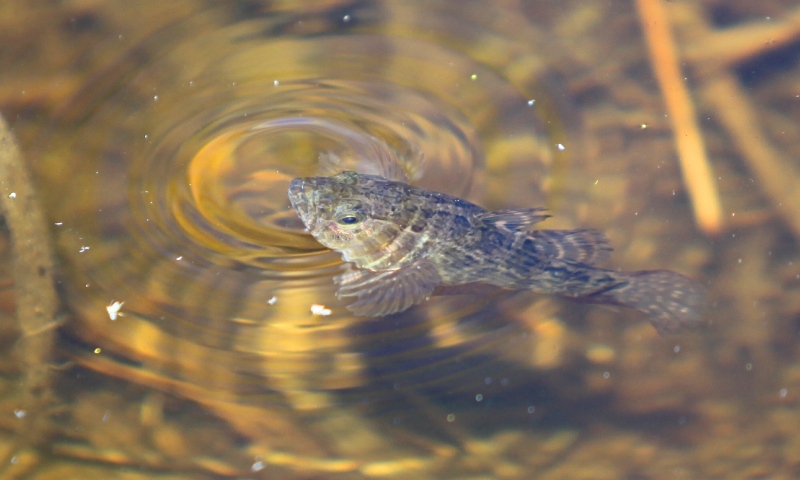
350, 219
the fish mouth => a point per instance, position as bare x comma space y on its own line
301, 198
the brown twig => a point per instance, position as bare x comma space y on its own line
697, 174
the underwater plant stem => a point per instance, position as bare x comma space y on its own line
695, 167
35, 296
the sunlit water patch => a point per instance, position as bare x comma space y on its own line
167, 182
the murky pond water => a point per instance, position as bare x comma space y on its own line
201, 337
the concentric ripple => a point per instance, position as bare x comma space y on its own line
167, 182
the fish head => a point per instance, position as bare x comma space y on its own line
348, 212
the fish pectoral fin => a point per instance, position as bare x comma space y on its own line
386, 292
516, 219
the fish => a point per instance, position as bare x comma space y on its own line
400, 243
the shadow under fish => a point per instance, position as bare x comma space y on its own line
404, 244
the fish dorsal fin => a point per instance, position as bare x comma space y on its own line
389, 291
515, 219
584, 245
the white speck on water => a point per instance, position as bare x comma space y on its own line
676, 349
478, 397
14, 460
473, 77
346, 18
783, 393
12, 195
146, 136
20, 413
258, 465
643, 126
84, 249
561, 147
531, 409
531, 102
275, 83
606, 375
114, 310
321, 310
58, 224
106, 416
451, 417
748, 366
179, 258
155, 98
272, 301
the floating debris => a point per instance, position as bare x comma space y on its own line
114, 310
321, 310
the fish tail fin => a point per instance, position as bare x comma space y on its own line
672, 302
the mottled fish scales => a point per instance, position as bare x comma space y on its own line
404, 242
584, 245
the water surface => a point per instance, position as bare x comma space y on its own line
163, 138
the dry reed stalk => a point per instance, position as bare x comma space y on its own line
696, 169
777, 175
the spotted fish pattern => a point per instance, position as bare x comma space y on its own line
402, 242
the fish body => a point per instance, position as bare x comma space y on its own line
402, 242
